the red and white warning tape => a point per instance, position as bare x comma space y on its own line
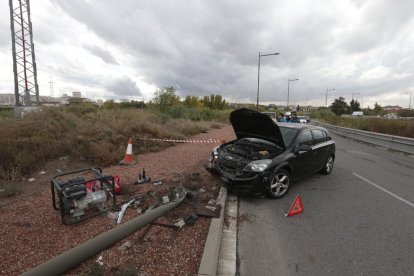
222, 141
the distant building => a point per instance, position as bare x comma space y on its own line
76, 94
7, 99
47, 101
308, 108
392, 108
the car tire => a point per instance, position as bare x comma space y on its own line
278, 185
329, 164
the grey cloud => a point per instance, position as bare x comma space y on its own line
123, 87
380, 22
104, 54
207, 47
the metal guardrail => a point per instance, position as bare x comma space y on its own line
393, 142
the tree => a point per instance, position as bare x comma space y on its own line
191, 101
214, 102
339, 106
355, 106
110, 104
166, 97
377, 108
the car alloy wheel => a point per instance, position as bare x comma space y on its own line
328, 165
279, 184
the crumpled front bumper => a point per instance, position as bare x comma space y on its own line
241, 185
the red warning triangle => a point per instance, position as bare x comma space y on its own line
296, 207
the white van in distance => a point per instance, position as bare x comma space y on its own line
357, 113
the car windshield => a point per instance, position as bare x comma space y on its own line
288, 134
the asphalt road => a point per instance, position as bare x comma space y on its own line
357, 221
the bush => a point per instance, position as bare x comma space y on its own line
97, 136
403, 128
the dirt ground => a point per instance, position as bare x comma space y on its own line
31, 231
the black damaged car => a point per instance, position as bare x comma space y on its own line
267, 156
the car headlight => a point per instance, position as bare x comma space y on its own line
214, 154
258, 165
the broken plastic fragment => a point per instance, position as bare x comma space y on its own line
212, 208
125, 246
99, 260
113, 215
212, 202
165, 199
180, 223
123, 209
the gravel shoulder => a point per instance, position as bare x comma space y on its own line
31, 231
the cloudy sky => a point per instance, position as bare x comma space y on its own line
111, 49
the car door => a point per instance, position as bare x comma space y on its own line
320, 148
303, 161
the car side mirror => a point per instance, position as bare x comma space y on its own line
302, 147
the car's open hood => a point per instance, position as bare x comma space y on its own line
250, 123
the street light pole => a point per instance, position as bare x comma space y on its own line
326, 97
354, 94
287, 103
411, 94
258, 76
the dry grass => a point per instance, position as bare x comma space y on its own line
397, 127
98, 137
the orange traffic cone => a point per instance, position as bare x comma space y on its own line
128, 160
296, 207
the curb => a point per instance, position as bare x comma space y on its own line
210, 258
227, 265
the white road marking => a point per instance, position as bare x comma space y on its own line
384, 190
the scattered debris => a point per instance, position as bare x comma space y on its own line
208, 211
190, 218
180, 223
201, 190
212, 202
192, 195
2, 190
31, 179
142, 178
165, 199
156, 183
151, 207
123, 209
139, 211
125, 246
42, 172
136, 204
151, 193
212, 208
113, 215
59, 171
63, 158
99, 260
